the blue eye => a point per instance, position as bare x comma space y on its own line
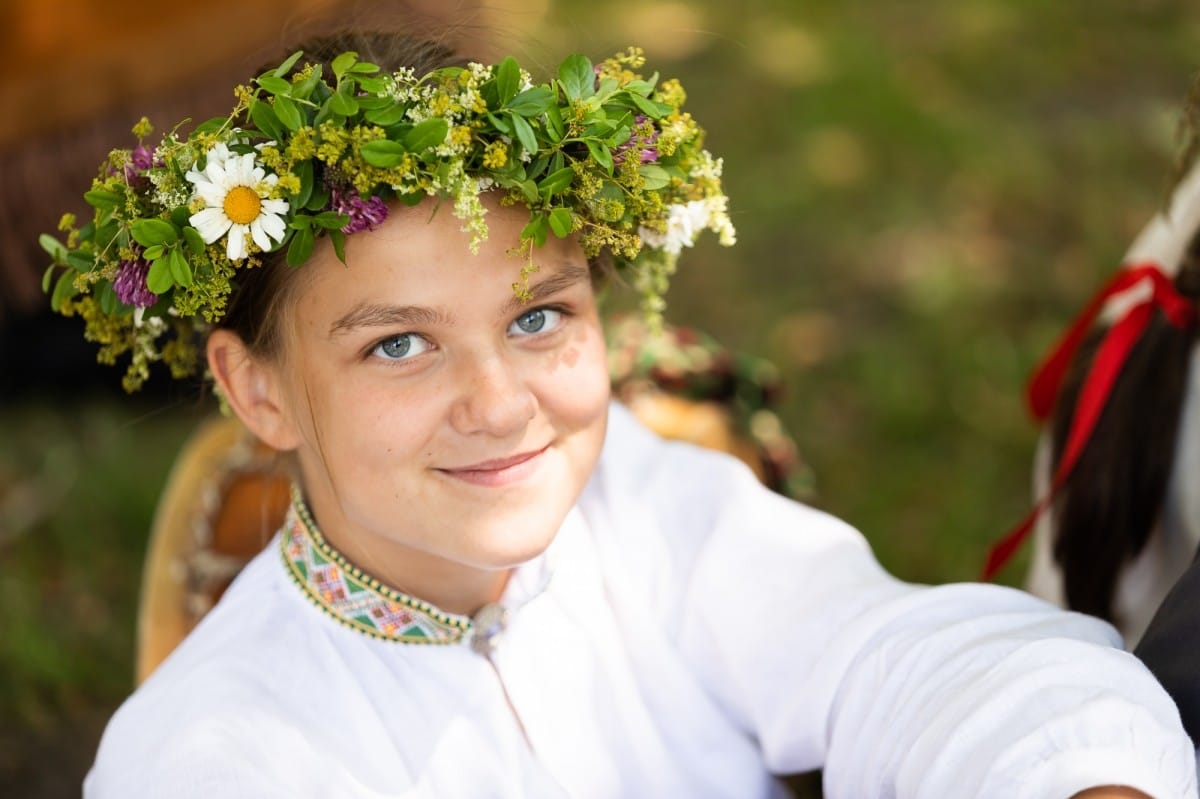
538, 320
398, 348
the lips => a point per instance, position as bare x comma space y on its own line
498, 471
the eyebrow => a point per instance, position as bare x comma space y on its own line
569, 275
377, 315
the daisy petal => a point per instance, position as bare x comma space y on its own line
211, 223
235, 243
259, 235
273, 226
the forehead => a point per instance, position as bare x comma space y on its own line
421, 255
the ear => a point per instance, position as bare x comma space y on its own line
253, 389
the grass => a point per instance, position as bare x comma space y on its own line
925, 194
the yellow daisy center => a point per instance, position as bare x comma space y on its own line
242, 205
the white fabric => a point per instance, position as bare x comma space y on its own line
697, 633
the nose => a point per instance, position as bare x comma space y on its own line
494, 398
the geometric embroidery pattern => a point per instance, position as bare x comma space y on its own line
353, 598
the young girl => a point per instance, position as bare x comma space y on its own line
493, 582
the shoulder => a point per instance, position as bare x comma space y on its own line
224, 693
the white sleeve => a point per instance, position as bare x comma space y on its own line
896, 690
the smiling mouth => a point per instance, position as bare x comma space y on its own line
499, 471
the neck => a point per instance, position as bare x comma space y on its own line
449, 586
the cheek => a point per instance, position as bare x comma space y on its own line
578, 380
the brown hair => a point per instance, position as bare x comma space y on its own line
1114, 495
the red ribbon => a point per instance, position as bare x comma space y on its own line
1106, 366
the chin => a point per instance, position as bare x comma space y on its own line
501, 549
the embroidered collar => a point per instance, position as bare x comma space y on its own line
355, 599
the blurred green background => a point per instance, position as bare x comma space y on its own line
925, 193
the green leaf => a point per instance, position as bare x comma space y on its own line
602, 129
508, 79
290, 62
601, 154
538, 165
109, 303
275, 85
301, 222
391, 114
331, 221
181, 216
525, 134
531, 102
181, 271
554, 124
650, 108
211, 125
319, 198
55, 248
343, 63
102, 198
288, 113
577, 77
655, 176
500, 123
159, 279
606, 87
153, 253
560, 222
557, 181
338, 239
305, 88
425, 134
64, 290
364, 68
46, 276
80, 262
529, 189
304, 171
324, 112
264, 118
342, 103
383, 153
195, 241
372, 85
148, 232
536, 229
301, 247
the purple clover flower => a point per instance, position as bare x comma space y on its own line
645, 145
141, 159
364, 214
130, 285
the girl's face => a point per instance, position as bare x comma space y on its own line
445, 428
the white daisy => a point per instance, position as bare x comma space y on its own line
236, 192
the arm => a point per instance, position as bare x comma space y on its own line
894, 689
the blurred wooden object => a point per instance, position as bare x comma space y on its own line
225, 497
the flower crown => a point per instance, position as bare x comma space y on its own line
600, 152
